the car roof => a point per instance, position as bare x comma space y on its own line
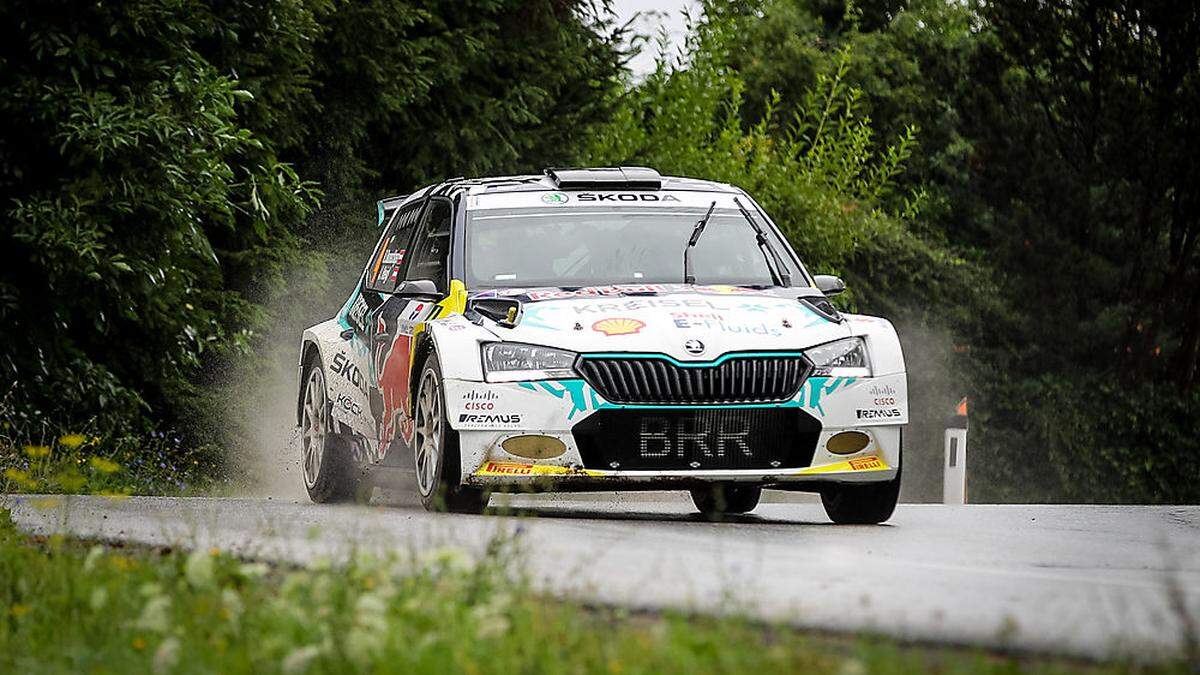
555, 179
594, 178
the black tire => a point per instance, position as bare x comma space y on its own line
717, 500
332, 475
439, 485
863, 503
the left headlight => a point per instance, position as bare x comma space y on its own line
846, 357
511, 361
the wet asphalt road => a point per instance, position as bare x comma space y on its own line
1076, 580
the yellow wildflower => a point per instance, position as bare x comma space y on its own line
70, 481
37, 451
138, 643
73, 440
19, 610
104, 465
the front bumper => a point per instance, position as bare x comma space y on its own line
488, 414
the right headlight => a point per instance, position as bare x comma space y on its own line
845, 358
513, 361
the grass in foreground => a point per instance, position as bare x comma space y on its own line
80, 463
68, 607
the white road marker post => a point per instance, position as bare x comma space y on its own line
954, 477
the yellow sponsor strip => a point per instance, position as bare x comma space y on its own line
850, 465
856, 465
521, 469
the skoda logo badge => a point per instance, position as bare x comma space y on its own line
554, 198
694, 347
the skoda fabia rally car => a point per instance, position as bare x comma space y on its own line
599, 329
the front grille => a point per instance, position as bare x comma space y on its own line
680, 439
656, 380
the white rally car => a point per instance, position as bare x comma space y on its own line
599, 329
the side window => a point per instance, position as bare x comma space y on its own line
428, 260
387, 268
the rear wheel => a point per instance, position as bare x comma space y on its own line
863, 503
717, 500
435, 450
329, 474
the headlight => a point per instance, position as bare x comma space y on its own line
847, 357
511, 361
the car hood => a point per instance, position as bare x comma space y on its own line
689, 323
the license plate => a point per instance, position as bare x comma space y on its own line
673, 439
699, 439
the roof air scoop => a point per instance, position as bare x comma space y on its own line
611, 178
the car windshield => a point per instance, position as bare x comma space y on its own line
536, 247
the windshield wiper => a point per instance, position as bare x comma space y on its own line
688, 277
782, 277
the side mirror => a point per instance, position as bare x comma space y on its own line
418, 288
829, 284
504, 311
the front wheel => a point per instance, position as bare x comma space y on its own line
717, 500
329, 475
435, 450
861, 504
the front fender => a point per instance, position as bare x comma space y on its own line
347, 377
457, 342
883, 343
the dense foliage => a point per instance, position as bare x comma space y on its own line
1056, 153
1014, 184
139, 213
160, 162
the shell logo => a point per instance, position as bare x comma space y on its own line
618, 326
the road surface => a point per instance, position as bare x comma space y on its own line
1091, 581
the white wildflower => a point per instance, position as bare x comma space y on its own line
199, 569
167, 655
299, 659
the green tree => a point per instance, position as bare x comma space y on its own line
410, 91
1058, 166
821, 173
141, 220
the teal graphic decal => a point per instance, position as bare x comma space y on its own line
534, 316
816, 388
583, 398
813, 318
752, 307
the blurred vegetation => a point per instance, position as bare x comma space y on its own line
65, 607
1014, 184
162, 161
38, 458
1057, 158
